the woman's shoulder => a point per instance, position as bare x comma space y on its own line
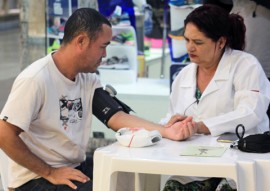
244, 62
238, 56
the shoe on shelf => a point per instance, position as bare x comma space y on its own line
118, 39
115, 63
184, 2
124, 20
129, 38
115, 16
118, 17
178, 2
148, 18
177, 34
123, 38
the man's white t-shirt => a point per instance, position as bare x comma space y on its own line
55, 114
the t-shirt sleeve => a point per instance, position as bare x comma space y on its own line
23, 103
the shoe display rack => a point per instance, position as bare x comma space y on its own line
178, 48
178, 15
120, 65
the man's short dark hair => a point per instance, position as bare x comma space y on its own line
86, 20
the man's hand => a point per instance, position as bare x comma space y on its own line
181, 130
65, 175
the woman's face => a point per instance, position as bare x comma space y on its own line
201, 49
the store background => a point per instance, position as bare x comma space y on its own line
23, 40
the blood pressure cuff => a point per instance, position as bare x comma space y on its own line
258, 143
104, 106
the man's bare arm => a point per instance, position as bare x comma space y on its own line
17, 150
178, 131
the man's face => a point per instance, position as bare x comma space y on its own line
96, 50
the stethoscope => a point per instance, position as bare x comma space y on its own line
240, 132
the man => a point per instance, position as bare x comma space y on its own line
46, 122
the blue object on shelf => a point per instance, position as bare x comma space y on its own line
173, 59
107, 7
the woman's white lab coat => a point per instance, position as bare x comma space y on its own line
239, 93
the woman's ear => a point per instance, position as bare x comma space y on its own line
222, 42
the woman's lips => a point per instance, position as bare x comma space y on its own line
192, 55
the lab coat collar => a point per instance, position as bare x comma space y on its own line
221, 75
223, 69
190, 78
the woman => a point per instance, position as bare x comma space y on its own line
221, 88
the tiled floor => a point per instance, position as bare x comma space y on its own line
1, 188
9, 63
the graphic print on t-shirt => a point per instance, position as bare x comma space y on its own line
70, 112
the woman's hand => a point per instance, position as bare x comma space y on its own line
201, 128
175, 118
181, 130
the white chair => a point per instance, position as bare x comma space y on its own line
246, 170
263, 172
3, 169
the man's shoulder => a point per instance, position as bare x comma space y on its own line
35, 68
92, 78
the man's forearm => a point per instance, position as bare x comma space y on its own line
18, 151
121, 119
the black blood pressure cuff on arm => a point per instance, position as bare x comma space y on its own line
104, 105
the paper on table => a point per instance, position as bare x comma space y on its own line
203, 151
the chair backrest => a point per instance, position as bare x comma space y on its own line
3, 169
174, 70
268, 114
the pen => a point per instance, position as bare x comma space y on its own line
234, 144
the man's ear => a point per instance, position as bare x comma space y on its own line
81, 40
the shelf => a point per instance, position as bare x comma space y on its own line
108, 76
156, 53
149, 98
60, 36
145, 87
178, 15
119, 51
